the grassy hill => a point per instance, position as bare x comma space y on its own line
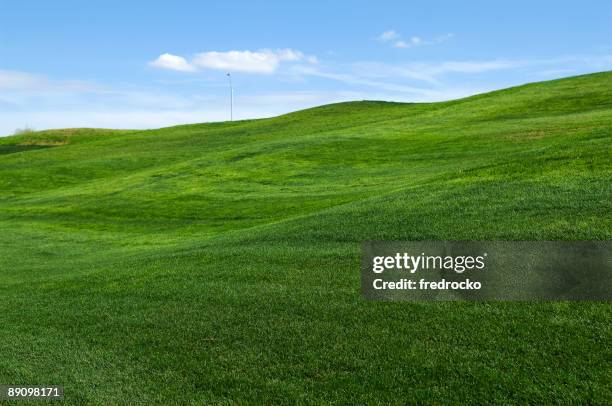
219, 262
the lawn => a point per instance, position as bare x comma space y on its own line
219, 263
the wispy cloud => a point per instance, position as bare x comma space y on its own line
20, 80
396, 40
418, 41
414, 41
436, 81
432, 73
554, 72
384, 83
388, 36
264, 61
393, 76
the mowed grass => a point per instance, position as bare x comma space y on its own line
219, 263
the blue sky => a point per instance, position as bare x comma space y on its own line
140, 64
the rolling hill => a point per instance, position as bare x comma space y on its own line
212, 263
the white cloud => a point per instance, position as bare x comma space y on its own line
444, 37
287, 54
173, 62
20, 80
388, 36
416, 41
243, 61
264, 61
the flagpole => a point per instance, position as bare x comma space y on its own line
229, 75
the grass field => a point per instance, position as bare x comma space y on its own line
219, 263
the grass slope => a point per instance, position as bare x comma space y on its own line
219, 262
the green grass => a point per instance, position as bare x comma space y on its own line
219, 263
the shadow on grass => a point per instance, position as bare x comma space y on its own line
11, 149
